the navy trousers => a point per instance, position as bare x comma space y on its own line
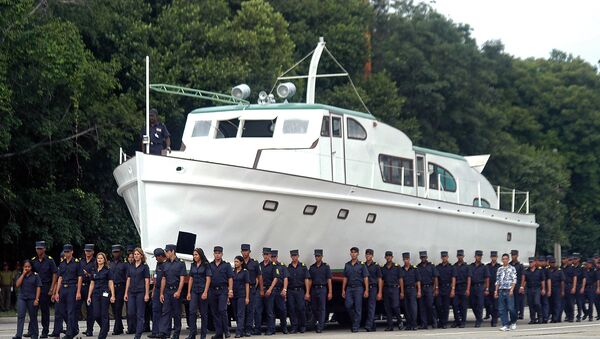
590, 299
239, 308
534, 302
491, 306
443, 305
280, 307
297, 309
25, 307
100, 305
250, 310
171, 311
44, 308
370, 304
410, 306
67, 306
136, 312
197, 304
318, 301
117, 307
89, 311
459, 305
569, 303
217, 298
353, 304
391, 304
545, 308
267, 304
556, 304
156, 312
476, 299
579, 300
426, 307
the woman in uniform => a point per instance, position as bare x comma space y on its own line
198, 285
241, 294
137, 290
28, 300
102, 291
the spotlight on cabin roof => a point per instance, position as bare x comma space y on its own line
262, 98
241, 91
286, 90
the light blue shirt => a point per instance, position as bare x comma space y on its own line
506, 277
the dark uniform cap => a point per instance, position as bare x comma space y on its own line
551, 259
170, 247
294, 252
389, 254
318, 253
354, 249
274, 253
590, 260
406, 255
576, 255
541, 258
245, 247
88, 247
572, 256
548, 257
67, 247
130, 248
596, 256
266, 250
514, 252
218, 249
478, 253
40, 244
369, 251
117, 248
444, 253
460, 253
531, 259
493, 253
159, 252
423, 254
564, 256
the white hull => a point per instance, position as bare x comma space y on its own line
223, 205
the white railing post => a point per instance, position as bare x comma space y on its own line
479, 193
457, 191
512, 209
120, 155
402, 179
439, 179
527, 205
147, 137
498, 193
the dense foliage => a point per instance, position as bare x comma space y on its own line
71, 93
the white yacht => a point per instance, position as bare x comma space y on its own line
306, 176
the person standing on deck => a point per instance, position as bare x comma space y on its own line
160, 138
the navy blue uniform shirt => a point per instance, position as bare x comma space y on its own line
493, 270
519, 268
29, 287
355, 273
158, 135
69, 271
173, 271
445, 274
590, 277
199, 274
479, 273
253, 271
283, 273
391, 275
374, 272
240, 279
569, 271
296, 275
556, 276
159, 273
138, 276
44, 268
579, 273
101, 279
534, 278
319, 274
410, 275
270, 271
220, 274
461, 272
87, 269
428, 272
119, 271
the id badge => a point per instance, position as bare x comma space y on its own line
105, 294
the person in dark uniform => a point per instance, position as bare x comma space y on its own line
589, 288
241, 294
391, 275
445, 282
480, 280
87, 265
101, 293
160, 138
545, 301
375, 289
170, 293
161, 257
579, 268
491, 305
570, 283
555, 290
137, 290
297, 293
597, 258
460, 290
58, 311
280, 291
198, 286
221, 289
429, 290
320, 289
519, 298
270, 276
356, 279
68, 291
532, 284
254, 275
28, 300
45, 267
119, 268
412, 291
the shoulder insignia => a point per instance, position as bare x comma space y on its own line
272, 263
559, 268
282, 263
245, 269
76, 260
33, 258
35, 273
50, 257
362, 263
303, 264
180, 260
414, 266
397, 265
277, 270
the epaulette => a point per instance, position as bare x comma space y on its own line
35, 273
303, 265
375, 262
397, 265
76, 260
362, 263
559, 268
539, 268
180, 260
33, 258
50, 257
272, 263
282, 263
414, 266
244, 269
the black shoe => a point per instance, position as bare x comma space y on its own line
270, 333
302, 330
532, 322
117, 333
190, 336
54, 335
388, 329
423, 327
354, 330
227, 335
318, 330
521, 317
88, 334
247, 334
237, 336
494, 324
584, 317
43, 336
15, 337
293, 331
455, 325
216, 337
477, 325
487, 316
27, 335
461, 326
578, 320
284, 330
443, 327
256, 332
591, 319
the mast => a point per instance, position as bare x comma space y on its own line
312, 71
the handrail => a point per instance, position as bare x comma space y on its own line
198, 93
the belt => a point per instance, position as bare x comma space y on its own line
392, 286
355, 286
297, 288
173, 287
534, 286
461, 283
118, 285
84, 284
218, 288
477, 284
372, 285
411, 286
447, 284
426, 285
68, 285
318, 286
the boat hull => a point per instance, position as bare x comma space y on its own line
223, 205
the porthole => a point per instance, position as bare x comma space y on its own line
310, 209
371, 218
343, 214
270, 205
508, 236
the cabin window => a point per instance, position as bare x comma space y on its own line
201, 128
484, 203
355, 130
336, 127
446, 178
391, 170
295, 126
258, 128
325, 127
228, 128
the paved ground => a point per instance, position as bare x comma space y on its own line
564, 330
